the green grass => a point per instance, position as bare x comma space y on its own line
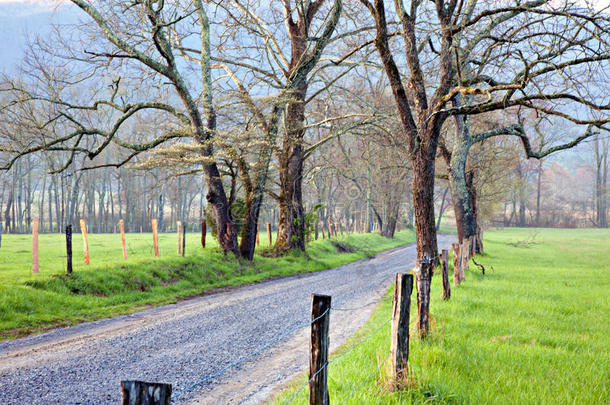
534, 330
110, 286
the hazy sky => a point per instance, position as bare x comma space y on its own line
20, 19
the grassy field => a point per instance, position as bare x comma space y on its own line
111, 286
534, 330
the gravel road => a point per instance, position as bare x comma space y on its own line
184, 343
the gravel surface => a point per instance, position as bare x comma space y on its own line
194, 344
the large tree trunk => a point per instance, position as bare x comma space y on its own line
464, 216
291, 226
427, 250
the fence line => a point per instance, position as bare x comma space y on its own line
335, 358
366, 379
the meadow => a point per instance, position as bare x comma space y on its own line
111, 286
533, 330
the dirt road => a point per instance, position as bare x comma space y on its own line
195, 344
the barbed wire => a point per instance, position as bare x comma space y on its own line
252, 354
366, 379
363, 306
327, 364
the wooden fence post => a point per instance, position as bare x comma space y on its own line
464, 253
35, 224
183, 240
399, 344
203, 233
445, 270
69, 249
155, 236
318, 350
424, 271
123, 239
269, 233
83, 230
457, 262
144, 393
179, 234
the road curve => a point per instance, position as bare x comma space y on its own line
185, 343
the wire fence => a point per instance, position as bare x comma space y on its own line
337, 357
209, 378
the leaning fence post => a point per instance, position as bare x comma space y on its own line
144, 393
445, 270
35, 246
69, 249
401, 305
318, 350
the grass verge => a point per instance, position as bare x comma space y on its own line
110, 286
533, 330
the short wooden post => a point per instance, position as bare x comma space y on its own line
464, 253
69, 249
457, 262
144, 393
401, 306
424, 271
35, 224
203, 233
123, 239
155, 236
83, 230
318, 350
269, 233
445, 270
183, 240
179, 233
